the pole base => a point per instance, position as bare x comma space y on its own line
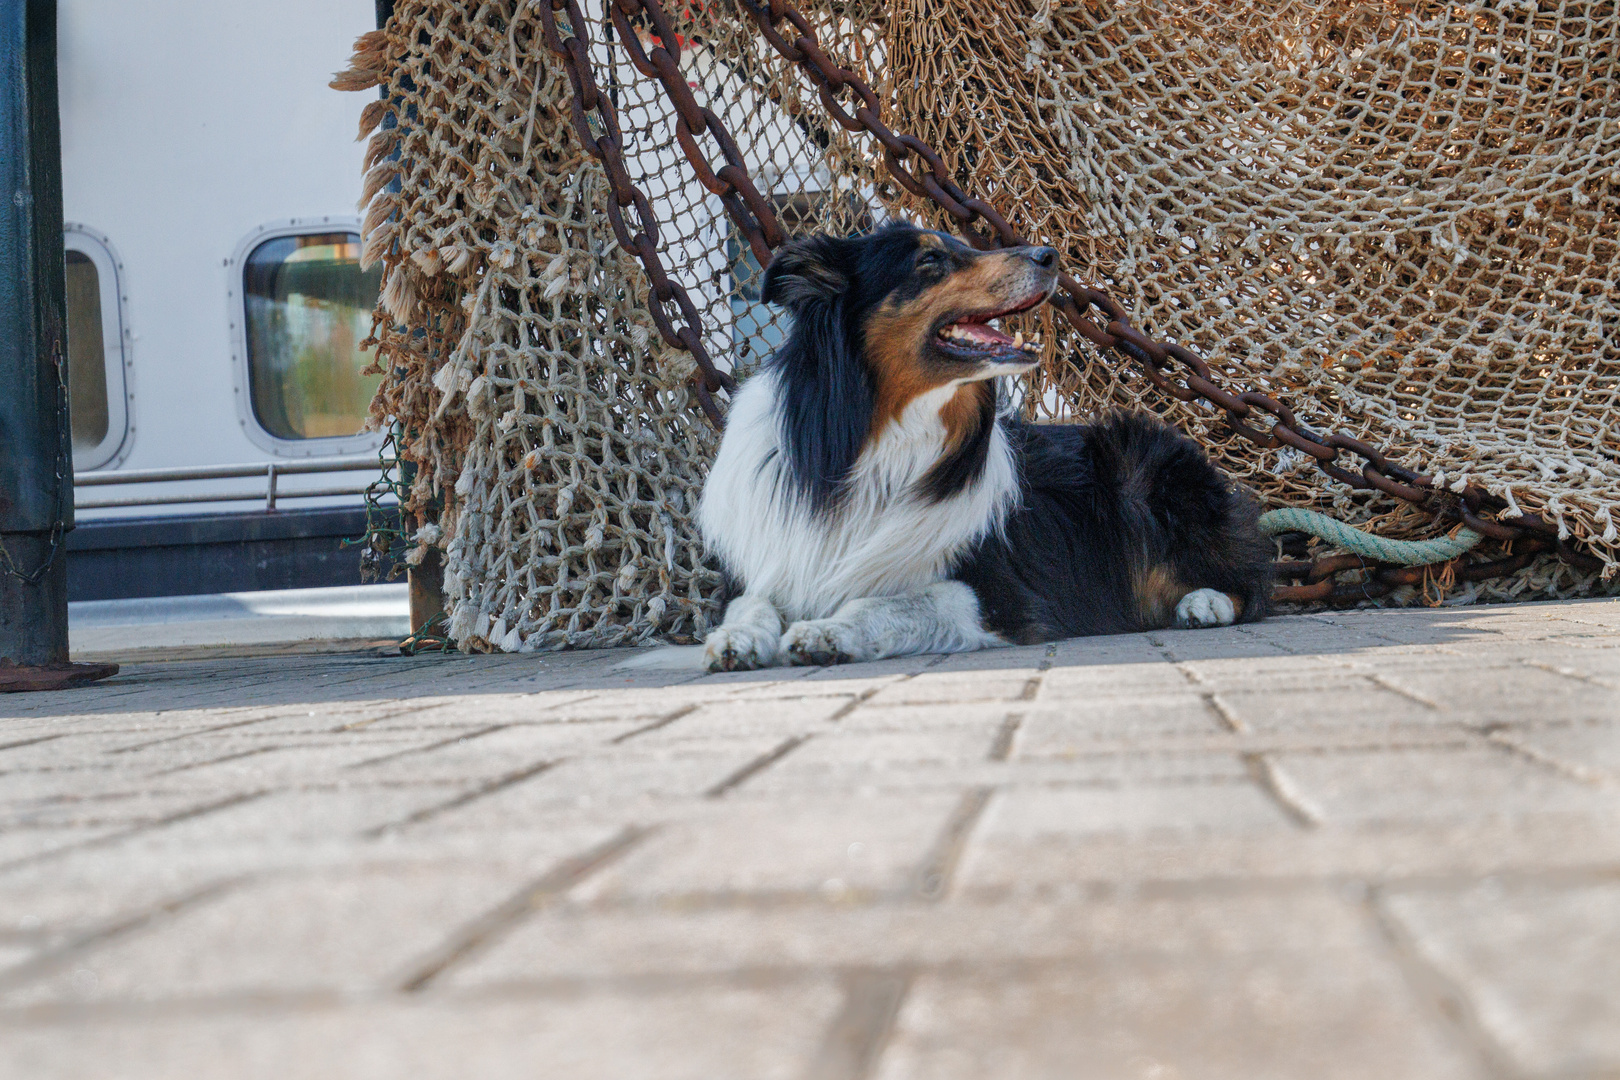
18, 678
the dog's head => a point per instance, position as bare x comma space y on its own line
897, 317
917, 305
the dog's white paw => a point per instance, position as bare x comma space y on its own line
1203, 608
738, 648
821, 642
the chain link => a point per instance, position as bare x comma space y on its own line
566, 33
919, 169
63, 470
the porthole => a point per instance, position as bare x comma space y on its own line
98, 407
304, 305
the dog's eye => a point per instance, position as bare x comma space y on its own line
930, 259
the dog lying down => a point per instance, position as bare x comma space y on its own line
870, 500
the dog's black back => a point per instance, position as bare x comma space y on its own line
1116, 520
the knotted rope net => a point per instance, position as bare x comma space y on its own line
1401, 218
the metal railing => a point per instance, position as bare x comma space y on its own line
270, 472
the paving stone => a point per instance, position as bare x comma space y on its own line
950, 688
1265, 850
1066, 729
1527, 694
1536, 963
1324, 1014
123, 809
978, 715
1102, 770
66, 898
480, 753
1430, 785
849, 745
630, 779
1389, 852
335, 931
1589, 750
834, 846
637, 941
716, 1033
23, 845
1068, 684
318, 815
746, 719
1279, 709
1034, 813
1193, 645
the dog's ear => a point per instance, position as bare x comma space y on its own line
809, 270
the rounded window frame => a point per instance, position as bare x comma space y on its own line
241, 375
116, 340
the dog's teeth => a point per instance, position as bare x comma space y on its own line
1018, 340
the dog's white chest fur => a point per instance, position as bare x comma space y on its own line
884, 539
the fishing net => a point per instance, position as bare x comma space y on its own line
1399, 218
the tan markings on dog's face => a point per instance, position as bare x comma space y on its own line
903, 352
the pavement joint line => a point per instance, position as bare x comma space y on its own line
1263, 771
251, 752
1225, 715
1566, 672
1337, 625
1247, 631
1505, 740
489, 787
144, 827
1006, 735
1032, 686
1378, 678
188, 734
856, 702
430, 747
872, 691
934, 877
858, 1033
485, 929
757, 766
55, 958
361, 725
663, 721
1452, 1010
30, 742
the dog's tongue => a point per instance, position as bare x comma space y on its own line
984, 333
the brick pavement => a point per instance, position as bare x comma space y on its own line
1356, 845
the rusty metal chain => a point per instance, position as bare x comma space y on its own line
1257, 417
572, 47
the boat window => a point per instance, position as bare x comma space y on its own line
87, 354
308, 307
97, 414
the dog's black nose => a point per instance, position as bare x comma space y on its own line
1044, 257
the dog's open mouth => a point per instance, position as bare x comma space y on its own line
974, 336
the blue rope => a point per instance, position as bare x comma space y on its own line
1357, 542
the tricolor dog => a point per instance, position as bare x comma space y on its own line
870, 499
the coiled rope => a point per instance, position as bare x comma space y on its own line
1357, 542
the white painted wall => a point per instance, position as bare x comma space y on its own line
186, 125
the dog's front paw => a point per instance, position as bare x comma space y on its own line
1204, 608
820, 642
738, 648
